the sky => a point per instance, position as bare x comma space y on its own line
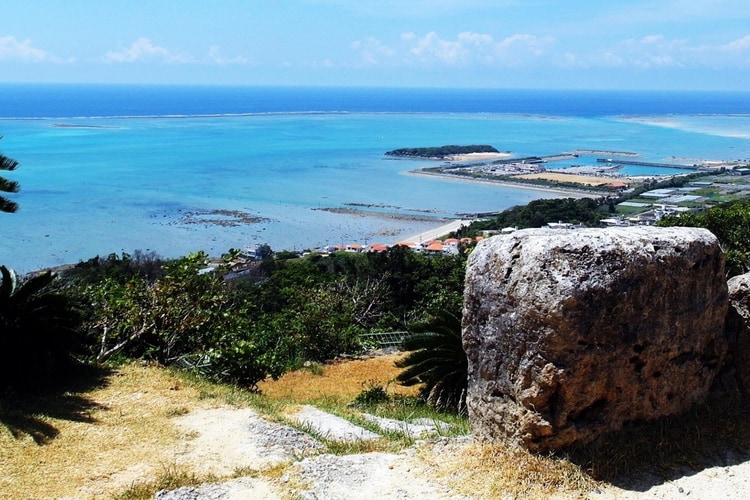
585, 44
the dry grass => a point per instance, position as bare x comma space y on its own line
116, 433
115, 437
94, 443
494, 471
586, 180
338, 382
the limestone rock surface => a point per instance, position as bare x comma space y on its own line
572, 333
738, 329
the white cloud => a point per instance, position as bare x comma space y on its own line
215, 56
466, 48
657, 51
653, 51
741, 44
732, 54
144, 50
372, 51
10, 48
519, 47
475, 38
431, 47
650, 52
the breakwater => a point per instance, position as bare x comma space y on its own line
648, 164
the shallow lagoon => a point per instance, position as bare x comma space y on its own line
100, 185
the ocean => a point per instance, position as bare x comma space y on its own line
177, 169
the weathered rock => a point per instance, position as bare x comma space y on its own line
571, 334
738, 330
739, 295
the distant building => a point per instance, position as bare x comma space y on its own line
560, 225
615, 222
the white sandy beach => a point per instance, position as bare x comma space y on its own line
437, 232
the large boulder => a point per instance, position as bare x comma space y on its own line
738, 331
572, 333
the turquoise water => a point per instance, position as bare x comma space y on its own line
96, 185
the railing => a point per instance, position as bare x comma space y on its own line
384, 339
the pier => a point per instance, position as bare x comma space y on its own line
648, 164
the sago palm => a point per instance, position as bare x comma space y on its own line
7, 186
38, 333
436, 360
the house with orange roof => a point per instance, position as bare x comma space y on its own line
377, 247
434, 247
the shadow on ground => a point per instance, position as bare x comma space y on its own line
29, 415
714, 433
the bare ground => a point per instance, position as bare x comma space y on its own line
225, 439
144, 421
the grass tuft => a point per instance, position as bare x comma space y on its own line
171, 478
480, 470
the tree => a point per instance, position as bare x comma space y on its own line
185, 318
7, 186
437, 361
178, 314
731, 225
38, 333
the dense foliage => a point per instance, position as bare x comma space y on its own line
731, 225
537, 213
292, 309
442, 151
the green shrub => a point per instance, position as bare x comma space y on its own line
730, 224
372, 395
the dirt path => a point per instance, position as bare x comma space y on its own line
221, 441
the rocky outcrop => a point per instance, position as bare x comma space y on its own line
738, 332
571, 334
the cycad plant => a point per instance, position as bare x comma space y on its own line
38, 333
436, 360
7, 186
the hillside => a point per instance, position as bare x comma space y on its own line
142, 429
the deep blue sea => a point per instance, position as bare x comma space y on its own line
176, 169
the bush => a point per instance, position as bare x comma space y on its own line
731, 225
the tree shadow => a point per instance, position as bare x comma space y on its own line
29, 414
715, 433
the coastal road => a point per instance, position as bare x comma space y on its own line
437, 232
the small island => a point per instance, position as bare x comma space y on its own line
442, 152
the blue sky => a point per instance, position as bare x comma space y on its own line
634, 44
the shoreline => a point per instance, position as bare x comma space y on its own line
562, 191
437, 232
473, 157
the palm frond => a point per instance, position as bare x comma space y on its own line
9, 282
437, 361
